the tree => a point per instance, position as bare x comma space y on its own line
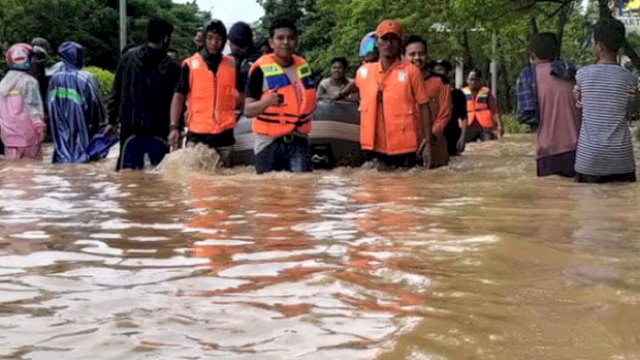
94, 24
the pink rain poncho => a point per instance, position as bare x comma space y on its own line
21, 115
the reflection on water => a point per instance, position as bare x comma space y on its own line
477, 261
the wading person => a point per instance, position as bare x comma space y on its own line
22, 126
281, 98
605, 150
392, 98
482, 110
75, 108
208, 85
437, 87
141, 98
545, 88
244, 51
457, 126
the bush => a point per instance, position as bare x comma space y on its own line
511, 125
104, 78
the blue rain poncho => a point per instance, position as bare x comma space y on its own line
75, 109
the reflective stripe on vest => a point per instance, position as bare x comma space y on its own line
294, 115
211, 101
478, 108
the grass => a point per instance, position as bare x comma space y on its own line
512, 126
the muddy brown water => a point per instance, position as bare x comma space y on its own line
480, 260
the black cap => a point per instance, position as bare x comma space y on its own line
241, 35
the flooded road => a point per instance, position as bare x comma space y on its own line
481, 260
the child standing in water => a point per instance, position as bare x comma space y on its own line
605, 151
21, 110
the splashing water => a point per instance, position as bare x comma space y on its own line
198, 159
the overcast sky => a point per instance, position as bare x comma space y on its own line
231, 11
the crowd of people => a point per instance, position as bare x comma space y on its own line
410, 112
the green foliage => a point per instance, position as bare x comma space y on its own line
95, 24
511, 125
454, 29
104, 78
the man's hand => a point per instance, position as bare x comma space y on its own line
275, 99
337, 97
577, 96
110, 129
174, 139
424, 151
460, 145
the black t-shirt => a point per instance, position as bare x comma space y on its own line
243, 64
213, 62
459, 102
458, 111
224, 138
255, 84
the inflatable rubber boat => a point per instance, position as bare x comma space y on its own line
335, 137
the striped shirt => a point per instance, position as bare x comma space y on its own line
604, 143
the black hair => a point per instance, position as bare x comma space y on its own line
609, 32
445, 64
414, 39
343, 61
477, 71
158, 29
544, 46
282, 23
215, 26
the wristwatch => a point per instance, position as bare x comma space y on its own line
174, 127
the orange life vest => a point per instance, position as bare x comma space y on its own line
478, 107
211, 101
294, 115
397, 107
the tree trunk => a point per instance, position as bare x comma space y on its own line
632, 54
604, 9
534, 27
508, 103
563, 18
467, 49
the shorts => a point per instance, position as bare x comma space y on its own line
288, 153
561, 164
601, 179
138, 147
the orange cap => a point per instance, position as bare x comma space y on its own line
389, 27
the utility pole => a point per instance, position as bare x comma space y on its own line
494, 65
123, 24
459, 72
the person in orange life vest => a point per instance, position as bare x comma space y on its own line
482, 110
415, 50
281, 98
208, 85
457, 127
392, 92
